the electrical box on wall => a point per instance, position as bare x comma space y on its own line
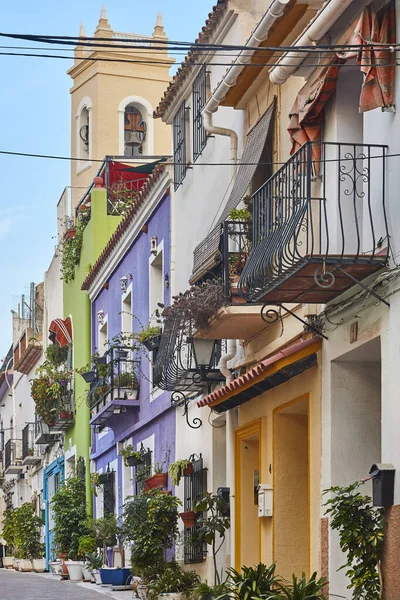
265, 500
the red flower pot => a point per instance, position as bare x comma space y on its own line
159, 480
189, 518
189, 469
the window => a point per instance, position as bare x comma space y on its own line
156, 281
179, 126
135, 130
103, 337
83, 140
126, 311
108, 480
195, 485
83, 134
199, 100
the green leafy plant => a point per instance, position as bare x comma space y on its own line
56, 355
203, 591
71, 251
94, 482
177, 469
43, 397
127, 452
9, 530
105, 531
213, 524
126, 380
303, 588
69, 508
361, 535
28, 528
254, 582
173, 579
94, 561
87, 545
151, 523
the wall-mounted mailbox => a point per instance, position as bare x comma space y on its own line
265, 500
382, 484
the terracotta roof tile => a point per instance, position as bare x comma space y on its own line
254, 374
185, 68
123, 225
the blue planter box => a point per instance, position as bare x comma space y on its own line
115, 576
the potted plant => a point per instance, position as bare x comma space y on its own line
259, 582
151, 523
28, 543
178, 469
87, 545
173, 583
189, 518
88, 376
94, 563
126, 386
106, 531
203, 591
303, 588
159, 479
149, 337
8, 534
132, 458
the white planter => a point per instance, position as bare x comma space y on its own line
56, 567
16, 562
25, 565
125, 394
8, 562
39, 565
75, 570
96, 576
142, 591
171, 596
87, 576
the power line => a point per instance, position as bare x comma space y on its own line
209, 164
193, 64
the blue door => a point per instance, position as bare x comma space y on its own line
53, 476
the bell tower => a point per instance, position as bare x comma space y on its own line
115, 88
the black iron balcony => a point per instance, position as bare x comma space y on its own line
13, 457
116, 390
2, 474
64, 416
30, 452
42, 432
319, 225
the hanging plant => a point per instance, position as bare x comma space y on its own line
71, 252
361, 534
176, 470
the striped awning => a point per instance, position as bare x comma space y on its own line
207, 253
61, 332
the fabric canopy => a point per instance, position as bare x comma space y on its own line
207, 254
120, 173
61, 332
377, 66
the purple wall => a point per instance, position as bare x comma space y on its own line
151, 418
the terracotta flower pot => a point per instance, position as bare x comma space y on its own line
189, 469
159, 480
189, 518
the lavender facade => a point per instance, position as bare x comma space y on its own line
138, 282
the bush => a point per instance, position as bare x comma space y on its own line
28, 532
8, 533
69, 506
173, 579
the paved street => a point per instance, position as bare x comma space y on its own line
29, 586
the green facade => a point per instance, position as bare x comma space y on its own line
77, 305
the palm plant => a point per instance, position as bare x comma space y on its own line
254, 582
303, 589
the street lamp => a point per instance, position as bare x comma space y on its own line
203, 352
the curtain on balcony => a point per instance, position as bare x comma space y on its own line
377, 66
206, 254
61, 331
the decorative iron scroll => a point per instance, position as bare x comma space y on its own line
181, 400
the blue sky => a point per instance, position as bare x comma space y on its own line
35, 117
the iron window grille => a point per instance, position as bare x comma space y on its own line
195, 485
199, 100
81, 468
142, 472
179, 136
109, 493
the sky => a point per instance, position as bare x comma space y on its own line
35, 118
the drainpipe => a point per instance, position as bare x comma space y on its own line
316, 30
225, 358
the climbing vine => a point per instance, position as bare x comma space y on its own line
71, 251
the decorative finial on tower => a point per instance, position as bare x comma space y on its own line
159, 27
103, 24
82, 32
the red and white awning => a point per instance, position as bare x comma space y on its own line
61, 331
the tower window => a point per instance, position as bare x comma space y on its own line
84, 134
134, 131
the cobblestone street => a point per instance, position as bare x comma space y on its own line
29, 586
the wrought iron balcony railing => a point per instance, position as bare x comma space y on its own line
64, 416
30, 452
13, 456
319, 224
116, 387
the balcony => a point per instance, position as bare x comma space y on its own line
42, 432
64, 416
30, 452
117, 390
319, 225
13, 457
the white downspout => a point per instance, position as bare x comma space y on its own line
318, 28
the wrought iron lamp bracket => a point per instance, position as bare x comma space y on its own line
179, 399
365, 287
270, 315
